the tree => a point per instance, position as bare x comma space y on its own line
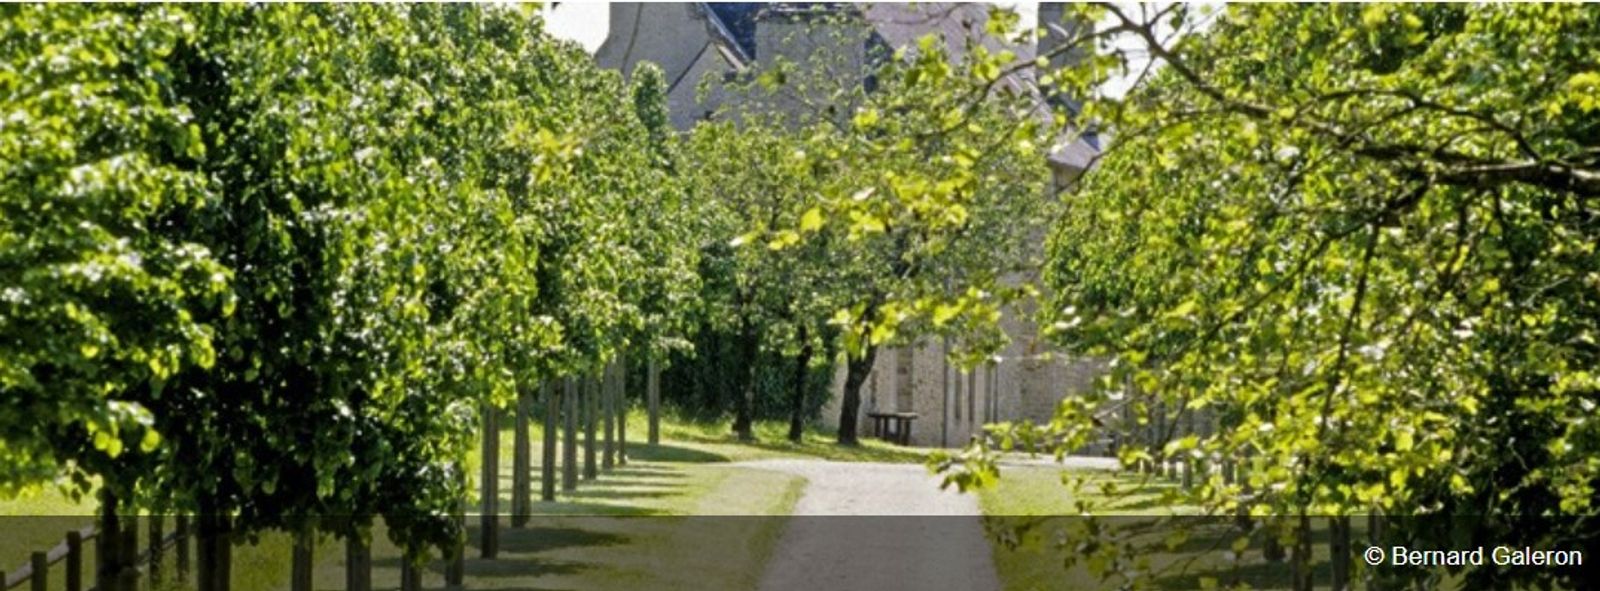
1373, 255
670, 285
102, 295
379, 238
749, 180
930, 181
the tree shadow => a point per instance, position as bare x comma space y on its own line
1256, 575
571, 506
675, 454
661, 491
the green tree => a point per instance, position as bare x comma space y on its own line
101, 295
933, 190
382, 219
749, 179
670, 225
1372, 255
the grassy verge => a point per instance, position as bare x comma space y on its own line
1037, 525
704, 537
771, 442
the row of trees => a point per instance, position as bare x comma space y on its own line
281, 276
269, 264
285, 279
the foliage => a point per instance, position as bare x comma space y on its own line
380, 218
1370, 258
100, 295
702, 385
670, 223
758, 293
933, 186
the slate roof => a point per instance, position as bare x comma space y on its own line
736, 22
898, 25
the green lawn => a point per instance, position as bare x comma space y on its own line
771, 442
587, 539
1036, 521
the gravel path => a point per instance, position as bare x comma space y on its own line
879, 527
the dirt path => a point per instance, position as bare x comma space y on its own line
879, 527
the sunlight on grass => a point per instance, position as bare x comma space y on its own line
582, 540
1036, 519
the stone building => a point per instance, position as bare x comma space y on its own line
693, 41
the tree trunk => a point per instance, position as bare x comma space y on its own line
992, 383
521, 460
972, 403
215, 549
410, 572
107, 563
797, 416
944, 394
1339, 551
128, 580
489, 505
1301, 560
305, 547
622, 409
856, 372
652, 392
591, 394
547, 465
1272, 549
358, 564
569, 447
1186, 463
744, 411
455, 567
608, 411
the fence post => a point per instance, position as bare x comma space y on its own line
74, 568
521, 449
41, 572
489, 506
181, 530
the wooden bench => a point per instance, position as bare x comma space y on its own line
901, 426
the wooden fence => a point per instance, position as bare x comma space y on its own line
36, 573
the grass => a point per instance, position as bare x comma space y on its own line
37, 521
588, 538
771, 441
1036, 522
